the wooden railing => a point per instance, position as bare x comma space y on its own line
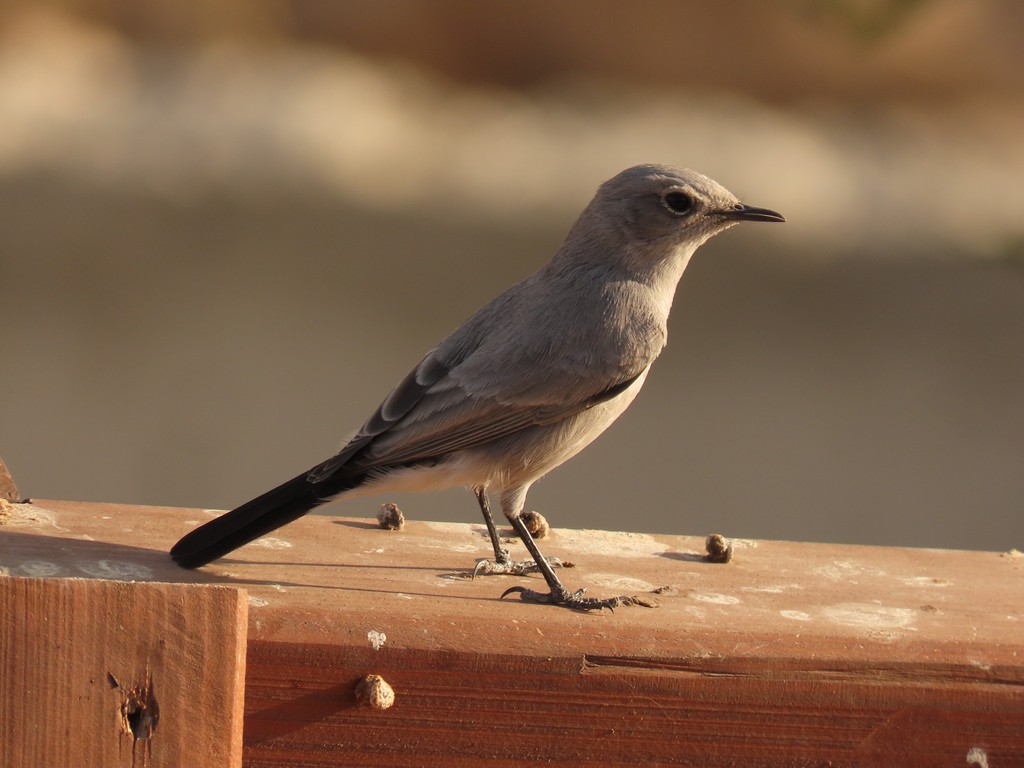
791, 654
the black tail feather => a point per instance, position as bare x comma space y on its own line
279, 506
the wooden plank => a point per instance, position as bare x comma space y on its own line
792, 654
120, 674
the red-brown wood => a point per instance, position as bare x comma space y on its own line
792, 654
110, 673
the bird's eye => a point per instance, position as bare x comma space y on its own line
678, 202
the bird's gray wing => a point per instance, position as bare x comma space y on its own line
538, 353
433, 411
406, 396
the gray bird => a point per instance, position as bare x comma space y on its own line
528, 381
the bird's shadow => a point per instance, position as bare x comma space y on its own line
46, 556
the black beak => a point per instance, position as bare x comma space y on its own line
742, 212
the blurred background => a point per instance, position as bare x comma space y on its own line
227, 229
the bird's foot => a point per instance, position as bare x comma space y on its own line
509, 567
577, 601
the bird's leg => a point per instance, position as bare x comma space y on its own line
502, 563
559, 595
500, 555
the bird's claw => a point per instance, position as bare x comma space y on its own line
513, 568
576, 600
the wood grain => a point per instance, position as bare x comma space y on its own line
792, 654
103, 673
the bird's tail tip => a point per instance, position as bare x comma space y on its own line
188, 556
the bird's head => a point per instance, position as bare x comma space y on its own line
645, 223
670, 206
